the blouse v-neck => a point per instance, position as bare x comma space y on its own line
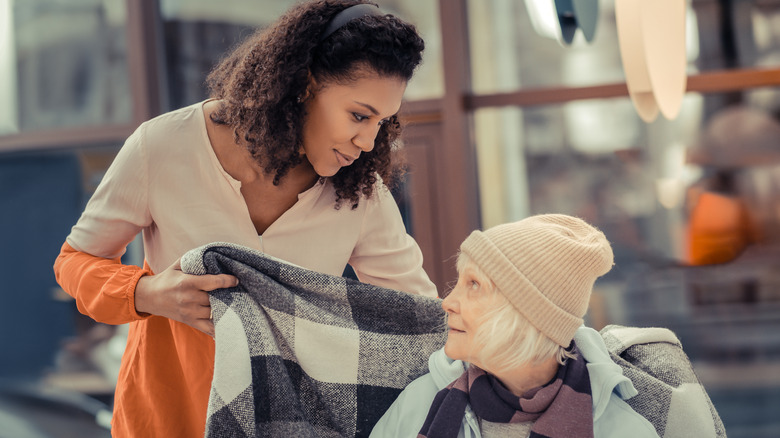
312, 193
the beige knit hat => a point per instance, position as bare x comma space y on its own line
546, 266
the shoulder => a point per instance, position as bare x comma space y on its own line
173, 122
612, 416
620, 338
380, 193
173, 135
620, 420
670, 394
380, 206
380, 199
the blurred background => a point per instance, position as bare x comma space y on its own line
502, 123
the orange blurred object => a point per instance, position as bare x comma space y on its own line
719, 229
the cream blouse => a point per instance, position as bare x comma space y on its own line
167, 183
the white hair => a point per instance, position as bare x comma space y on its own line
505, 339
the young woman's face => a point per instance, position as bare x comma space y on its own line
466, 304
342, 121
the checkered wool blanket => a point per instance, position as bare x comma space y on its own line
303, 354
670, 395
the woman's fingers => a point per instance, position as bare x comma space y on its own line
203, 284
208, 282
199, 316
212, 282
204, 312
204, 325
201, 299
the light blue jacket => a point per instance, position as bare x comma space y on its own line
612, 416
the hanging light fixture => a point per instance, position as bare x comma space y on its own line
560, 19
651, 35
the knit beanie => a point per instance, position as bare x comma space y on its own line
545, 265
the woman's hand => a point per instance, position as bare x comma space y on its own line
181, 297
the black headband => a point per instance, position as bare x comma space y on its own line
348, 15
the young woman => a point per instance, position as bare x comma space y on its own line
517, 361
290, 156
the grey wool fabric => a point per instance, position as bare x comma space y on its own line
670, 394
305, 354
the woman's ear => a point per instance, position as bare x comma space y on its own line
311, 88
304, 96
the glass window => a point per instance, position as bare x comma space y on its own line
198, 33
594, 159
598, 160
428, 81
706, 183
63, 64
508, 54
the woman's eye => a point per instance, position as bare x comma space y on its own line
359, 117
474, 285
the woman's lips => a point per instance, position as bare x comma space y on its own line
344, 160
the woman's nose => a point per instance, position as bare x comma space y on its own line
365, 138
450, 303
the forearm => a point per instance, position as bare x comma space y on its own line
104, 289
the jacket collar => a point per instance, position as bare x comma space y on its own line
606, 376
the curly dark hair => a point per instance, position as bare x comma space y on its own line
260, 81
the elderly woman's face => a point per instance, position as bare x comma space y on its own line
342, 121
465, 306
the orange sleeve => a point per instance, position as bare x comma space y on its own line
104, 289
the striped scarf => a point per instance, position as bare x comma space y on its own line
561, 408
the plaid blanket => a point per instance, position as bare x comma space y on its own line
304, 354
670, 395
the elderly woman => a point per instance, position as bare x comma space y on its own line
517, 361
